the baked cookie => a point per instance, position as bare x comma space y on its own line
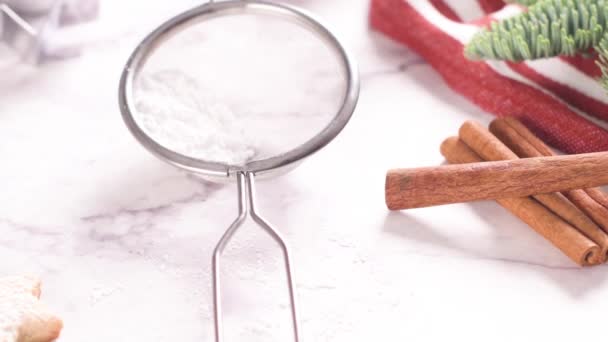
23, 318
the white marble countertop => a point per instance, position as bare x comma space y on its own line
123, 242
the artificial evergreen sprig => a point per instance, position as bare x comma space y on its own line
602, 49
549, 28
523, 2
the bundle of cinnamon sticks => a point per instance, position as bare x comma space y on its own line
575, 221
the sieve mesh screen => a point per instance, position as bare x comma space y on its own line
239, 88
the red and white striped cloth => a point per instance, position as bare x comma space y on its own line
558, 98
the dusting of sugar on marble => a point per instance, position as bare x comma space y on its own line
101, 293
239, 88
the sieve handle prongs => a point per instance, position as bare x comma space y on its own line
247, 207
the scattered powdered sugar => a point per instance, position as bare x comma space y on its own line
99, 294
239, 88
177, 116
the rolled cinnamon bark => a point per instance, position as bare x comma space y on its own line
599, 196
490, 148
523, 142
526, 145
562, 235
519, 138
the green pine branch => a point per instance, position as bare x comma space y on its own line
523, 2
602, 49
549, 28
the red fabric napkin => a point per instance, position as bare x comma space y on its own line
558, 98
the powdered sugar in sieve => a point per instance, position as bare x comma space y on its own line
268, 88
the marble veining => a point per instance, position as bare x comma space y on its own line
123, 241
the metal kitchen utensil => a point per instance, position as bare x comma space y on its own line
244, 175
38, 30
26, 32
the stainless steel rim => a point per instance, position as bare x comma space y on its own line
259, 167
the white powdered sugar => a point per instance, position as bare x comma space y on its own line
239, 88
175, 114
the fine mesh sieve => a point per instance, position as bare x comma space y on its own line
235, 90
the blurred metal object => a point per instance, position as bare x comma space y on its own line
25, 33
31, 6
33, 28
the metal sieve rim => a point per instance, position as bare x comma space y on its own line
212, 9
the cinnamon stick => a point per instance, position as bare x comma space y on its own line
525, 144
599, 196
591, 201
439, 185
519, 138
490, 148
557, 231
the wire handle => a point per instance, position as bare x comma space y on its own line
247, 207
